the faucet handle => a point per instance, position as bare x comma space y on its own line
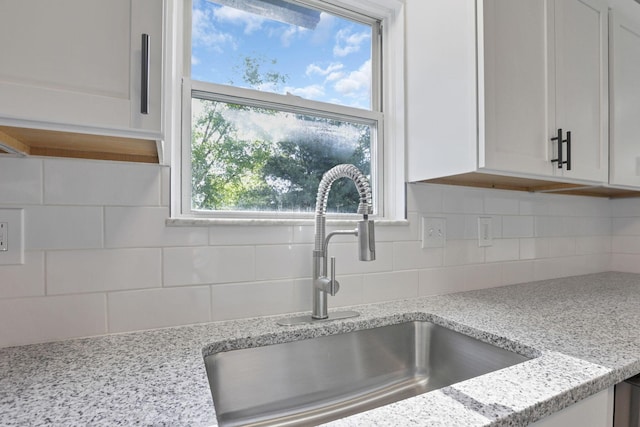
334, 286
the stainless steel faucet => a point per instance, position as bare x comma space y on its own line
324, 283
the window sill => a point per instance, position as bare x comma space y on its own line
209, 222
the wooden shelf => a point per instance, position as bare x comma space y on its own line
39, 142
501, 182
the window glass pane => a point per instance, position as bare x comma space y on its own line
282, 47
262, 159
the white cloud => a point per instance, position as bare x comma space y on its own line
324, 31
357, 83
204, 32
250, 21
290, 33
330, 69
335, 76
309, 92
347, 43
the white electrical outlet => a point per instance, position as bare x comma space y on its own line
485, 233
4, 236
11, 237
433, 232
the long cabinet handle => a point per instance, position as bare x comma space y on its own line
568, 141
144, 80
560, 159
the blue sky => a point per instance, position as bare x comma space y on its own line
331, 63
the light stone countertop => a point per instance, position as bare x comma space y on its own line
583, 330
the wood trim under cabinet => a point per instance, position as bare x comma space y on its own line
41, 142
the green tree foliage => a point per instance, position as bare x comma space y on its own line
232, 172
225, 170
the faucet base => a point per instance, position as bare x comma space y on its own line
302, 320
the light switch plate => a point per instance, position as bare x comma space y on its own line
485, 232
434, 232
13, 236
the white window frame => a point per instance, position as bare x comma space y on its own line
391, 161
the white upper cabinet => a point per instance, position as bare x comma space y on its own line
625, 97
80, 63
581, 85
541, 65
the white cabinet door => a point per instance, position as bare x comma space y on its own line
594, 411
440, 89
581, 78
545, 68
625, 101
78, 62
516, 86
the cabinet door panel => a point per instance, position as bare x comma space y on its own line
625, 102
77, 62
582, 85
516, 86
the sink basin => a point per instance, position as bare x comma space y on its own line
318, 380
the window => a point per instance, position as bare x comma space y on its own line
274, 94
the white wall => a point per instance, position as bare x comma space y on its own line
625, 245
99, 258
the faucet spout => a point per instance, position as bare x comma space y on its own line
323, 283
364, 231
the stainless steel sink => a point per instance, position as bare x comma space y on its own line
322, 379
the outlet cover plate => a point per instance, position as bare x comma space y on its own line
14, 237
434, 232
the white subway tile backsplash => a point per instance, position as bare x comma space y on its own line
424, 198
237, 301
508, 204
63, 227
206, 265
462, 252
517, 226
625, 244
393, 233
347, 261
131, 227
165, 186
20, 181
411, 256
593, 245
549, 268
84, 271
350, 293
33, 320
561, 246
157, 308
100, 241
436, 281
625, 207
23, 280
283, 261
503, 250
517, 272
626, 226
480, 276
75, 182
228, 235
463, 200
390, 286
550, 226
628, 263
528, 248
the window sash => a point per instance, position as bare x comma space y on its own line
288, 103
